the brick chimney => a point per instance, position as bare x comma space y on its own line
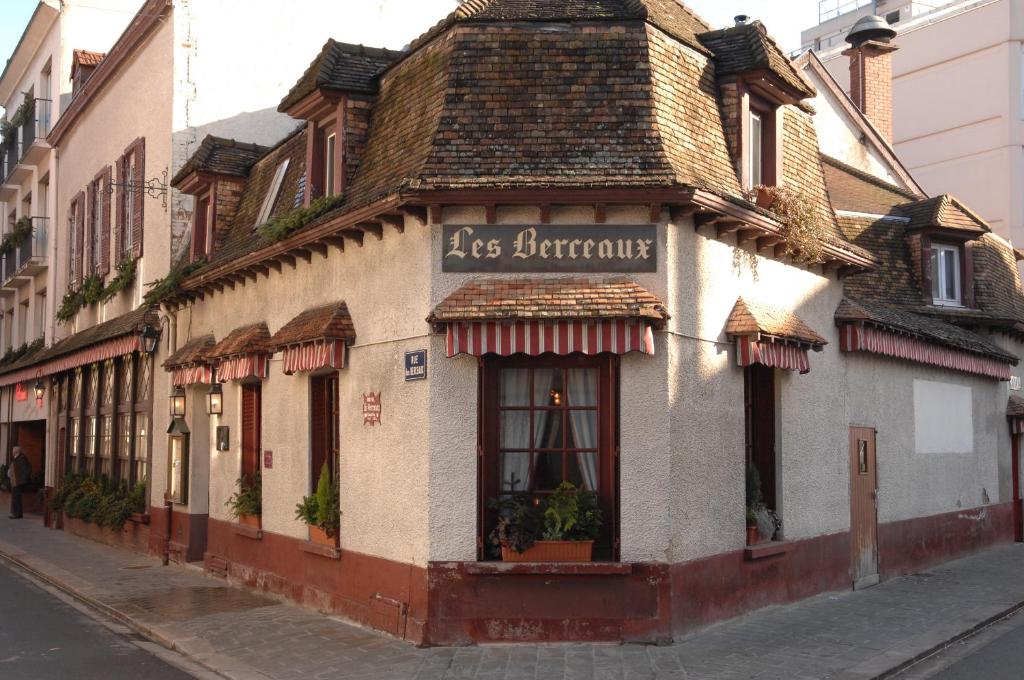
870, 56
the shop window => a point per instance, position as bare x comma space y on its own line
761, 460
946, 263
546, 421
91, 434
75, 446
323, 426
124, 445
107, 446
177, 462
141, 447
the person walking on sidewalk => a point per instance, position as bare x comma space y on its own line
20, 472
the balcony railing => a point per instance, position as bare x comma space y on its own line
10, 156
32, 251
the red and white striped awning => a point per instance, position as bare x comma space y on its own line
193, 374
108, 349
310, 356
533, 338
242, 366
1017, 425
858, 338
772, 353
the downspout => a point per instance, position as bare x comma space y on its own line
172, 342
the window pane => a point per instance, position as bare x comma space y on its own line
515, 471
515, 387
547, 471
582, 430
141, 435
329, 170
583, 386
547, 429
547, 387
951, 274
515, 429
584, 470
755, 149
124, 439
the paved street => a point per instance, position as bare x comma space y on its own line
43, 637
242, 634
995, 653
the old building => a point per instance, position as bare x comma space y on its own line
529, 249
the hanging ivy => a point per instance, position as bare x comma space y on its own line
285, 225
24, 112
26, 349
21, 232
7, 132
161, 288
802, 225
122, 280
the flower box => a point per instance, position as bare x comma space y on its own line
252, 521
321, 537
551, 551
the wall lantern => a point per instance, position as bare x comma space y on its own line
40, 390
178, 403
177, 461
215, 400
148, 338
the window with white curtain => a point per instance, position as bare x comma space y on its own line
945, 273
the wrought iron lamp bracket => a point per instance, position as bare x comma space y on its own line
154, 188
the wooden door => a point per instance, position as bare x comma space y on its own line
1018, 505
250, 430
863, 507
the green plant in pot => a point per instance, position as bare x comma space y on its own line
560, 528
321, 511
246, 503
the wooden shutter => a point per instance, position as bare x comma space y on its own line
199, 228
79, 236
250, 430
105, 238
140, 179
119, 253
90, 221
317, 427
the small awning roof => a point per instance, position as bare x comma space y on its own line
191, 363
559, 316
251, 339
1015, 413
772, 323
315, 339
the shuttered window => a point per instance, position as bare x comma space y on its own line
323, 425
131, 171
251, 412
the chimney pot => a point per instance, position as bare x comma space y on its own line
870, 57
741, 19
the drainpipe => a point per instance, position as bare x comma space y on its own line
168, 510
172, 344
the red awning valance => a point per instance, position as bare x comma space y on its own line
109, 349
864, 338
772, 353
195, 374
312, 356
242, 366
504, 338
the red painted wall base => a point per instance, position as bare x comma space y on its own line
132, 536
456, 603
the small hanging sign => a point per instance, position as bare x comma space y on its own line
416, 365
371, 409
268, 459
20, 393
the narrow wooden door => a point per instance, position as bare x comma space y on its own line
1018, 505
250, 430
863, 507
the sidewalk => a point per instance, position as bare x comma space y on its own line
240, 634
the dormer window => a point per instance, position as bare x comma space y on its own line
329, 149
202, 227
946, 275
270, 200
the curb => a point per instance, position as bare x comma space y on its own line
105, 609
942, 646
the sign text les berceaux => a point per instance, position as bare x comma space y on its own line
550, 248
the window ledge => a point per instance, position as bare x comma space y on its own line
248, 532
547, 568
321, 550
769, 549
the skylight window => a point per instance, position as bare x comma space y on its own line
275, 189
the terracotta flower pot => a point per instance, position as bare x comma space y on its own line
321, 537
753, 536
764, 198
249, 521
551, 551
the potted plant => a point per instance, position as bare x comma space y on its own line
246, 504
561, 528
321, 511
752, 531
755, 501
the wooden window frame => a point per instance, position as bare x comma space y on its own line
606, 548
760, 414
936, 277
329, 440
203, 226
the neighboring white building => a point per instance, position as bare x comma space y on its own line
958, 97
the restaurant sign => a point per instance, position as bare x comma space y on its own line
554, 248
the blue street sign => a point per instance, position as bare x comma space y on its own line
416, 365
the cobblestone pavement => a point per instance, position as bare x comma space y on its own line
242, 634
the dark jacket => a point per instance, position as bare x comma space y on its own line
21, 470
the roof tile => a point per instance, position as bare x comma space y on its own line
749, 318
331, 322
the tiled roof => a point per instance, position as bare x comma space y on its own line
857, 191
122, 325
251, 339
331, 322
195, 351
997, 281
747, 48
1015, 406
924, 327
222, 157
943, 211
553, 298
342, 67
749, 318
895, 281
86, 58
